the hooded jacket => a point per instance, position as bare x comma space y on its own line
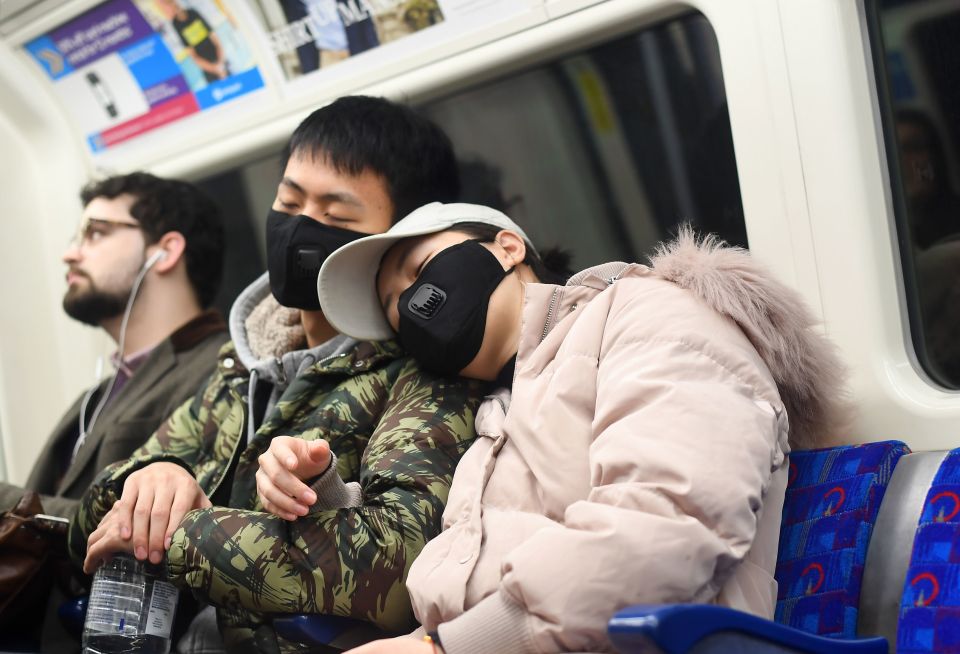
641, 457
397, 434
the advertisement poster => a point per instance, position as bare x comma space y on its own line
130, 66
310, 35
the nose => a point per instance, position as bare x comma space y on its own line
316, 211
72, 253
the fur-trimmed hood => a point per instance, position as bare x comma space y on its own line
805, 365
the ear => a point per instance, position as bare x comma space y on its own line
173, 245
513, 246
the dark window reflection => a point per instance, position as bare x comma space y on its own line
604, 152
917, 54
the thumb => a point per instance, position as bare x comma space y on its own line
319, 451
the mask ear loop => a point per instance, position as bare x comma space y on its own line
85, 428
481, 241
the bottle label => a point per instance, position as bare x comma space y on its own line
114, 605
163, 603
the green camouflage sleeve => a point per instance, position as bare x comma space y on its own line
177, 440
350, 562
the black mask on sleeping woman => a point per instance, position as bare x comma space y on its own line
444, 313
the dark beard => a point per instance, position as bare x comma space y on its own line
93, 306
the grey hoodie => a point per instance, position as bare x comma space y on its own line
263, 332
271, 344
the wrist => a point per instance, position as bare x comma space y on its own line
433, 639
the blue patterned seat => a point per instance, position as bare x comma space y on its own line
831, 506
930, 605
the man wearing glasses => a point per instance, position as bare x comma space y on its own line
144, 266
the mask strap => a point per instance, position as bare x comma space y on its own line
481, 241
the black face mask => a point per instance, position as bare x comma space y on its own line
296, 248
444, 313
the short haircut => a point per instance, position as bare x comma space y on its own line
170, 205
357, 133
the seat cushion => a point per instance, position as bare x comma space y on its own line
930, 604
833, 496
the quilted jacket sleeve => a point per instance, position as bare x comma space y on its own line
178, 440
347, 561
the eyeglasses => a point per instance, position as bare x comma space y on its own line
93, 230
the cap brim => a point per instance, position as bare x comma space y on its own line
347, 285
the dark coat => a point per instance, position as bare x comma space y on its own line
176, 369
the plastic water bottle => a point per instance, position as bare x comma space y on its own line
131, 609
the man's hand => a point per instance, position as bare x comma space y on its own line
154, 501
283, 468
399, 645
105, 541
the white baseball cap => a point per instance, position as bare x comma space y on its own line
347, 284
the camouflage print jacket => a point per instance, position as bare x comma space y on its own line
396, 430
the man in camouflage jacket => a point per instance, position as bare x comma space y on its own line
396, 434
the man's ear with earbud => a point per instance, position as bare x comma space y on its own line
171, 248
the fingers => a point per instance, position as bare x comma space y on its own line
276, 501
283, 467
304, 459
99, 532
105, 541
141, 521
160, 517
277, 476
280, 487
124, 506
313, 460
154, 501
188, 497
286, 451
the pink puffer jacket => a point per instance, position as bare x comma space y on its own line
642, 457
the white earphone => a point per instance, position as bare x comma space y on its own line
87, 427
159, 255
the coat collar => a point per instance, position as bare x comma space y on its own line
206, 324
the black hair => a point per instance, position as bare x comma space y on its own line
170, 205
357, 133
551, 267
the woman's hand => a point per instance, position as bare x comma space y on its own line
400, 645
283, 467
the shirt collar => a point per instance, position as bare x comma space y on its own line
128, 366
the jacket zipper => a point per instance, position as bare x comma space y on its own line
550, 310
233, 453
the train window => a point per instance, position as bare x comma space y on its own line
916, 46
605, 151
245, 195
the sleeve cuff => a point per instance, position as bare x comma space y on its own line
494, 625
332, 492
